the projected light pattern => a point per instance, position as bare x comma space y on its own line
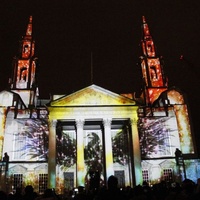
183, 121
154, 93
2, 128
65, 148
154, 80
154, 137
82, 138
29, 139
120, 145
94, 159
184, 129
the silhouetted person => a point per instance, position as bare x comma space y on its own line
29, 193
112, 192
3, 195
94, 180
81, 194
49, 194
18, 194
6, 159
178, 154
197, 190
188, 190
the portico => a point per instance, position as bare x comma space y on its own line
103, 126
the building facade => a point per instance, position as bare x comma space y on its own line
82, 138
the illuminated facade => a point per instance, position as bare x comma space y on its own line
84, 137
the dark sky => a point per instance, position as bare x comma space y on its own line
67, 31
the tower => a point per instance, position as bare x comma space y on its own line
152, 72
24, 69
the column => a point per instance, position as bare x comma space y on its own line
108, 148
137, 168
80, 154
52, 155
2, 128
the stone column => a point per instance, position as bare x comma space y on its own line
2, 128
108, 148
52, 155
137, 168
80, 154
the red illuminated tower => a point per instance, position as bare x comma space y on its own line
154, 80
24, 73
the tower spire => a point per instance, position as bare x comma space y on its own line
154, 79
146, 31
147, 41
29, 29
24, 74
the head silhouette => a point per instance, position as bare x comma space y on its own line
112, 182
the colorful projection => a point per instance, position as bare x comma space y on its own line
29, 138
122, 160
120, 145
66, 148
2, 128
158, 135
94, 159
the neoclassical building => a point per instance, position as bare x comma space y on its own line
80, 139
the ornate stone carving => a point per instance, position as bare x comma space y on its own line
107, 122
53, 123
79, 123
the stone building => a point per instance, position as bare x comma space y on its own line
80, 139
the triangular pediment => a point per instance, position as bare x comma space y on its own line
92, 96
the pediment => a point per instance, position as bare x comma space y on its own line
18, 168
92, 96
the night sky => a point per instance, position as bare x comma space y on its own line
67, 32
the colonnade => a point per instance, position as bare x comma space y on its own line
80, 175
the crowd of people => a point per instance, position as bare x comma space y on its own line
187, 190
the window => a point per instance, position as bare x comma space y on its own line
17, 181
145, 175
121, 177
69, 180
153, 73
168, 174
43, 180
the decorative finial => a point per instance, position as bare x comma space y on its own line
143, 19
30, 19
29, 28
